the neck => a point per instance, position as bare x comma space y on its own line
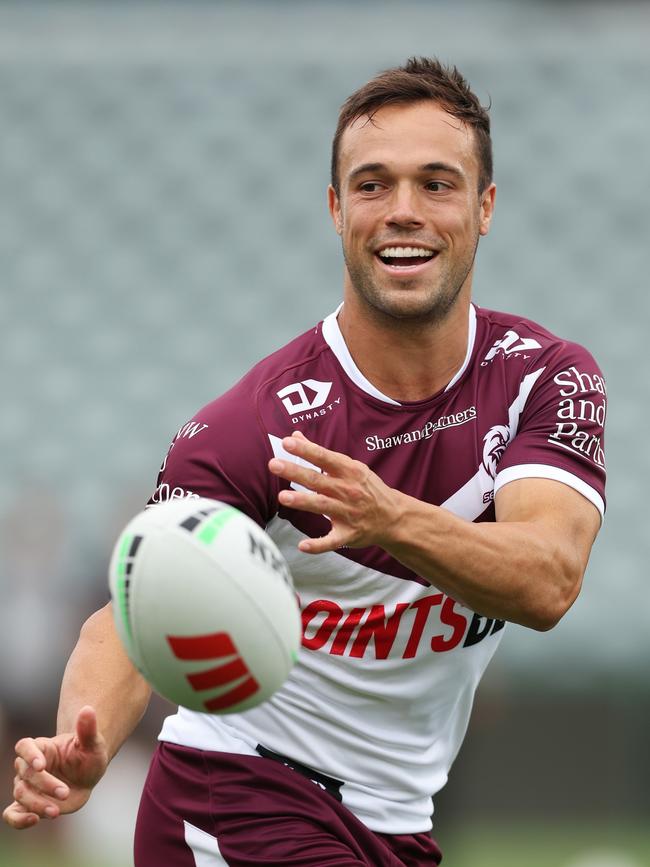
406, 361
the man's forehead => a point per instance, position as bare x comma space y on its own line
423, 131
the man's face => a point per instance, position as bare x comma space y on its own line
409, 212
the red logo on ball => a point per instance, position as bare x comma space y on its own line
203, 647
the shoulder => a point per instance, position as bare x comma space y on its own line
264, 379
557, 405
519, 343
236, 416
222, 451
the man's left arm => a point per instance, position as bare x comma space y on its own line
527, 567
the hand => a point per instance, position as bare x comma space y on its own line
56, 775
359, 505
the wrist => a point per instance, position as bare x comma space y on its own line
396, 528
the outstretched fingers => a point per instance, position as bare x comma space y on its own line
324, 482
318, 504
328, 461
301, 475
315, 468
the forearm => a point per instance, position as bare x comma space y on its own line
507, 570
526, 566
100, 674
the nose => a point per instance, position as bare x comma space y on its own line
404, 209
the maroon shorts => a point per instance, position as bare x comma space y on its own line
204, 809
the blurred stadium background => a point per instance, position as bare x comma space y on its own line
163, 226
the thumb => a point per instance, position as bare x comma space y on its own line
87, 737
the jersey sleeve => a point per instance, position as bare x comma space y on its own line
223, 454
560, 434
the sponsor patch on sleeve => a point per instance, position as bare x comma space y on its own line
580, 414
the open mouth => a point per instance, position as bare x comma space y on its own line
406, 257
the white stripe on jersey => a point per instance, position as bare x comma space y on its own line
544, 471
204, 847
517, 406
469, 501
280, 452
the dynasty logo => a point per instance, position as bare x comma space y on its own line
307, 400
511, 345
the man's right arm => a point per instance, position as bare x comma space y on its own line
99, 673
102, 700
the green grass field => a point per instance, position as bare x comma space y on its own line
549, 846
522, 846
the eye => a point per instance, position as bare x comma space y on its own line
370, 187
437, 186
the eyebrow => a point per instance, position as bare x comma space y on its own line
367, 168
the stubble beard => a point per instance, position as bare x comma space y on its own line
398, 305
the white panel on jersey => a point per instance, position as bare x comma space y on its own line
204, 847
517, 406
544, 471
469, 501
280, 452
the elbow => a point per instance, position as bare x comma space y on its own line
543, 618
99, 622
546, 612
544, 621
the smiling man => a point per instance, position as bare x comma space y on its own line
409, 225
457, 454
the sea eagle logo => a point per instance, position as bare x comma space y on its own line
494, 445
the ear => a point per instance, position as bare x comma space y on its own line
487, 209
335, 209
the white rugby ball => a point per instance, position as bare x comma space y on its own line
204, 605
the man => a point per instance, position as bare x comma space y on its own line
457, 455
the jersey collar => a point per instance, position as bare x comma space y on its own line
334, 339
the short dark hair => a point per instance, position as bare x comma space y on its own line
420, 79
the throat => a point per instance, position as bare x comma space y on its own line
409, 389
406, 363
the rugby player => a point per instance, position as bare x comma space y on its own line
457, 453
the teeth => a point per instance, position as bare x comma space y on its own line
405, 252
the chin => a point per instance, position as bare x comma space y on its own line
407, 301
409, 305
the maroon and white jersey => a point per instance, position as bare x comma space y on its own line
380, 697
